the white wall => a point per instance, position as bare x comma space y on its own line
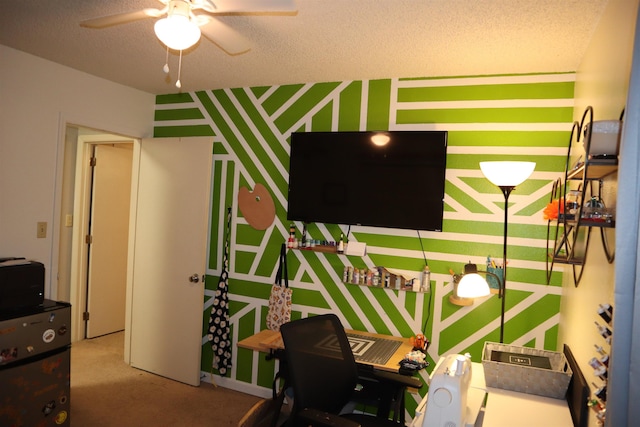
602, 82
37, 99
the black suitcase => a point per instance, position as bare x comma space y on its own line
21, 284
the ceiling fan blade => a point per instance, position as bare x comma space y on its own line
122, 18
246, 6
225, 37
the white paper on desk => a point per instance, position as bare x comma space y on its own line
356, 248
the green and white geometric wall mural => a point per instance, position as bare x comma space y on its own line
514, 117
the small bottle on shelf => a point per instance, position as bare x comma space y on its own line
425, 280
572, 204
304, 241
341, 244
375, 281
292, 236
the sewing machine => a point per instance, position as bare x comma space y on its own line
451, 401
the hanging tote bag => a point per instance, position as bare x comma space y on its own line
280, 298
219, 333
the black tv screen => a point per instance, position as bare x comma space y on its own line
391, 179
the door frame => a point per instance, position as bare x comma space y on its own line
81, 215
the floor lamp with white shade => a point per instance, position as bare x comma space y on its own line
506, 175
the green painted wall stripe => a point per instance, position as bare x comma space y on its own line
173, 98
538, 138
269, 260
302, 105
568, 74
247, 288
244, 260
248, 235
350, 107
551, 90
234, 139
259, 91
215, 215
178, 114
323, 119
472, 161
219, 148
273, 156
279, 97
467, 200
486, 115
310, 298
378, 104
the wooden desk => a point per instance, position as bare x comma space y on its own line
267, 341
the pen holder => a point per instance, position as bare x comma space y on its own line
494, 284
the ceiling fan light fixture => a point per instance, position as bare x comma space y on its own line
177, 32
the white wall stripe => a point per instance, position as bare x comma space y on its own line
490, 150
287, 105
364, 99
266, 94
306, 120
487, 80
270, 123
476, 127
482, 104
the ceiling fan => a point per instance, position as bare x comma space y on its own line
179, 27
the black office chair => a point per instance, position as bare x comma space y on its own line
324, 376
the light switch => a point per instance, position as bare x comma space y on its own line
42, 230
68, 220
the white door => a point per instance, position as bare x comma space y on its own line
169, 256
109, 230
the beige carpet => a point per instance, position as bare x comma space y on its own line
106, 392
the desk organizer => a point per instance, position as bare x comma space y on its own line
521, 374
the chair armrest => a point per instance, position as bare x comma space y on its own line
317, 418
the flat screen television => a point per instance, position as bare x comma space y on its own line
391, 179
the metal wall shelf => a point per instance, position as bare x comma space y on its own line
568, 237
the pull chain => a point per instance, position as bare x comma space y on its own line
166, 63
165, 68
178, 84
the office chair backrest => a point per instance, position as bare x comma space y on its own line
322, 369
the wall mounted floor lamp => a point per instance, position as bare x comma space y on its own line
506, 176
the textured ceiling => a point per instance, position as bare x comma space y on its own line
326, 40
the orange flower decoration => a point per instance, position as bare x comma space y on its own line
551, 211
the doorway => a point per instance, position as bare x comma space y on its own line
108, 238
94, 214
